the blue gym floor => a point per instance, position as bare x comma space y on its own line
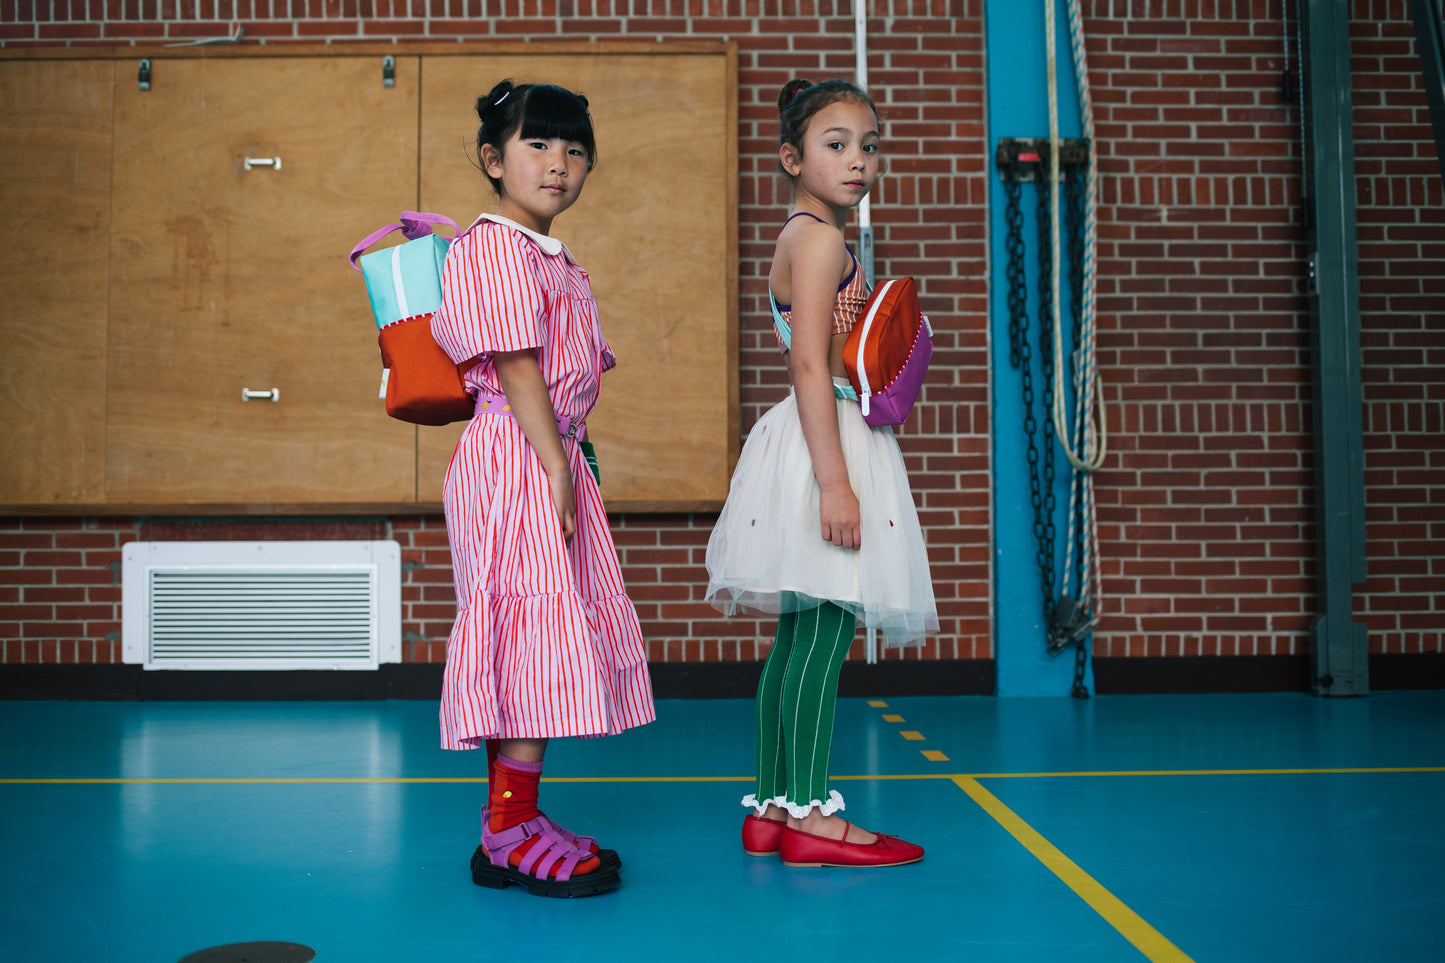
1212, 828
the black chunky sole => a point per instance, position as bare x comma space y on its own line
497, 877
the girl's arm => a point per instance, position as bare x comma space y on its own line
526, 392
816, 268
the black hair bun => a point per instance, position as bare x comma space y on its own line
791, 90
489, 102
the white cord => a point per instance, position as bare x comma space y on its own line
1087, 447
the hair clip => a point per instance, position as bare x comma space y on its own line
797, 93
502, 98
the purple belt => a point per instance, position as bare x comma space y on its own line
498, 405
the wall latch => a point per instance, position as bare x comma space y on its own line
1025, 160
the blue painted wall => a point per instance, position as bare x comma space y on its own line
1018, 107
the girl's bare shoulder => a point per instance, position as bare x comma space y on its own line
805, 241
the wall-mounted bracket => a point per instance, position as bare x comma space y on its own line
388, 71
1025, 160
143, 78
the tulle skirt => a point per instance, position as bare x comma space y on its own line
767, 555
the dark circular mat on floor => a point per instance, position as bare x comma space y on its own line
262, 952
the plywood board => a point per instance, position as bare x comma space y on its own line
655, 228
55, 147
224, 279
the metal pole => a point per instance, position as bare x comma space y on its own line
865, 216
1341, 650
1430, 44
865, 228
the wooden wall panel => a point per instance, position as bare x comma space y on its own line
159, 277
55, 147
655, 228
225, 278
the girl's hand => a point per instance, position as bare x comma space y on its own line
842, 524
564, 500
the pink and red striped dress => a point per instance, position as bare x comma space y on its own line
546, 642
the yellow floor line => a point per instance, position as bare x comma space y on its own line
1201, 772
1130, 925
873, 777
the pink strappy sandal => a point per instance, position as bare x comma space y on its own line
609, 858
491, 866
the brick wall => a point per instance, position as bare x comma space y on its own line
1401, 230
1205, 507
1208, 508
1208, 540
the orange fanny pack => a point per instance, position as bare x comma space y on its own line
888, 351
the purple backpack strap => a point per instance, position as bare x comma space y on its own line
414, 224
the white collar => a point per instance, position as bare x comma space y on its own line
550, 246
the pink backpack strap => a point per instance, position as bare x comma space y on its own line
414, 224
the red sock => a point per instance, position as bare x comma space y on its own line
513, 800
512, 792
494, 749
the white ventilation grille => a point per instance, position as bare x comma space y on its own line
262, 605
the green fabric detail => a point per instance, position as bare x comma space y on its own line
797, 700
590, 454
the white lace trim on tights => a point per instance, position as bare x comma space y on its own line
833, 805
751, 799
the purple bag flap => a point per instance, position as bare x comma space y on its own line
893, 404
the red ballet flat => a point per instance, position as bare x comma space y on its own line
804, 849
761, 836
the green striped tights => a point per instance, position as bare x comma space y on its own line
797, 698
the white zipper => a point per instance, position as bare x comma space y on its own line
864, 389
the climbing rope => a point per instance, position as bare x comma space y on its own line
1089, 456
1086, 443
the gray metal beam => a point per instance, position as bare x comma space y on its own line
1340, 645
1430, 44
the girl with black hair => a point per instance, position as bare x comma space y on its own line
546, 642
819, 527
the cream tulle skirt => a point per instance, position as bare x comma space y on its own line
767, 554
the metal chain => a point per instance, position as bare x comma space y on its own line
1039, 438
1018, 317
1044, 532
1021, 357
